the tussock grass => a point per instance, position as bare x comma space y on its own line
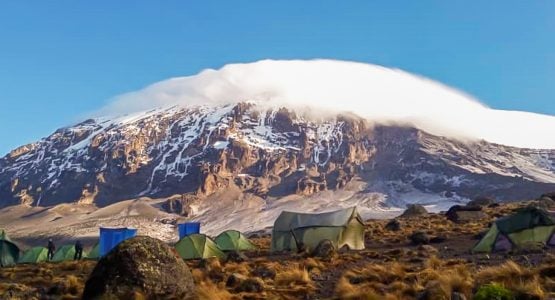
508, 274
293, 276
209, 291
345, 290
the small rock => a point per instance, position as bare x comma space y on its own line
527, 296
427, 250
235, 279
398, 252
458, 296
325, 250
462, 214
437, 239
414, 210
416, 260
481, 201
216, 276
433, 290
393, 225
236, 256
356, 279
264, 272
419, 238
250, 285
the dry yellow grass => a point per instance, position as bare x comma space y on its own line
513, 277
345, 290
209, 291
389, 269
507, 274
293, 276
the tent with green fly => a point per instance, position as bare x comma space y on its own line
34, 255
197, 246
65, 253
95, 252
524, 228
233, 240
9, 252
343, 227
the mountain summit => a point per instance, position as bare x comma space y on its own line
254, 139
199, 151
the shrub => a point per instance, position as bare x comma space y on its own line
493, 291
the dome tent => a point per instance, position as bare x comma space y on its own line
197, 246
527, 226
64, 253
95, 252
9, 252
342, 227
34, 255
233, 240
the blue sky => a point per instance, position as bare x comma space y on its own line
62, 59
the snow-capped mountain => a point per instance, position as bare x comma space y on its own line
200, 150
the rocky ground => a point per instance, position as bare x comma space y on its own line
391, 267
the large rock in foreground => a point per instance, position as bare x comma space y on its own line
140, 265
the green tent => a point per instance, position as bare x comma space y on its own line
342, 227
9, 252
95, 252
527, 226
34, 255
197, 246
233, 240
64, 253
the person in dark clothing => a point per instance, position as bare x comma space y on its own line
78, 250
51, 249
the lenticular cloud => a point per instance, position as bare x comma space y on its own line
380, 94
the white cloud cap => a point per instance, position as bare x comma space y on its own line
327, 86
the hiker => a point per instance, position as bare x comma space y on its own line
78, 250
51, 249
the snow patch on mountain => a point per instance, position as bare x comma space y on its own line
326, 87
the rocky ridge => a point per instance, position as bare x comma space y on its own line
270, 153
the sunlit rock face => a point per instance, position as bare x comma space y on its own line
199, 150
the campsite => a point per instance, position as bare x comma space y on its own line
389, 265
253, 150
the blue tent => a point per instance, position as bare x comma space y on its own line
188, 228
111, 237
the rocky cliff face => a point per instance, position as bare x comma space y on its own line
269, 153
